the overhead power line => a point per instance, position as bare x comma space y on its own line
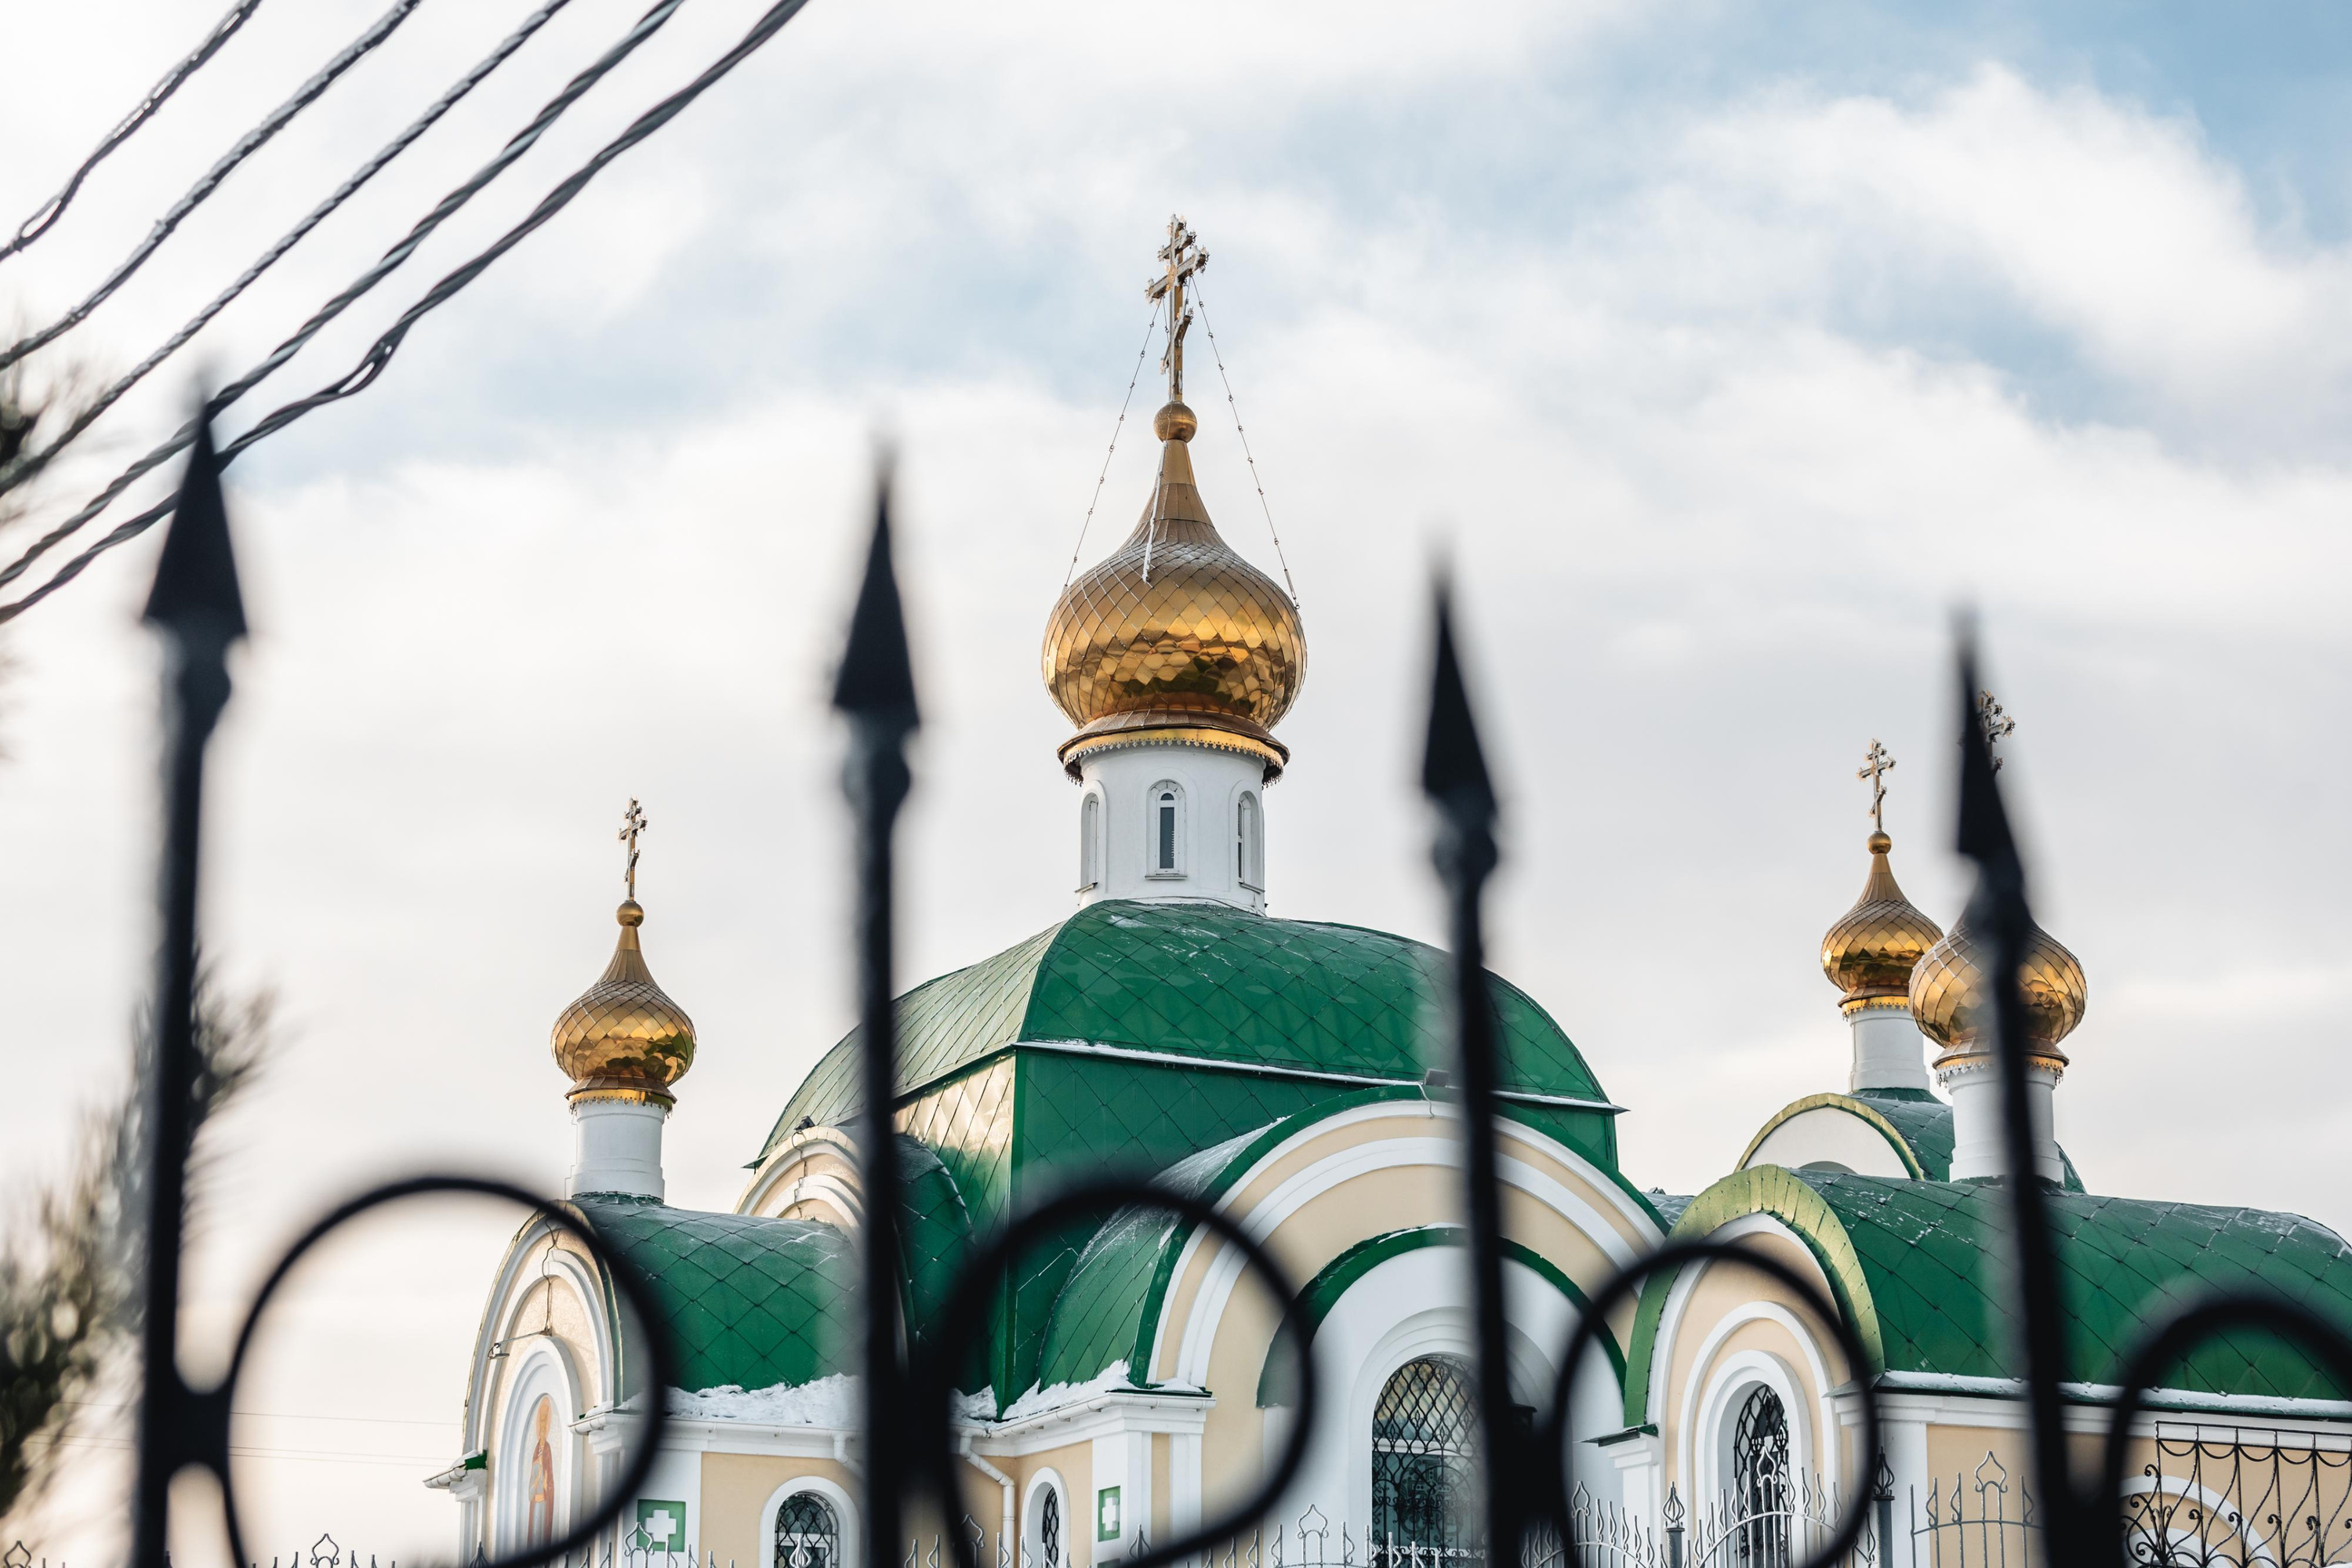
253, 141
48, 214
380, 354
32, 463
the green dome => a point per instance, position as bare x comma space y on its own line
1217, 986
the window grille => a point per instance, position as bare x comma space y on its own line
807, 1533
1049, 1529
1759, 1480
1425, 1476
1167, 831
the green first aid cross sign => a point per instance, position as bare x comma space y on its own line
1107, 1515
661, 1524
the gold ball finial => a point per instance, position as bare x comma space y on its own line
1949, 1000
1175, 422
1870, 953
625, 1038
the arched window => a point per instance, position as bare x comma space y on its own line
1045, 1539
1164, 820
1424, 1471
1249, 844
539, 1517
1090, 842
1759, 1481
808, 1535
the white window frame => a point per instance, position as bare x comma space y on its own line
1181, 847
1033, 1518
1249, 840
539, 1369
845, 1513
1091, 811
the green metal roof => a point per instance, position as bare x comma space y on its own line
1915, 1266
748, 1301
1202, 982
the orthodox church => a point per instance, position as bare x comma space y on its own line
1129, 1380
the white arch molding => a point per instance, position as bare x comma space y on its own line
845, 1513
1197, 1331
1738, 1375
1033, 1517
1414, 1305
541, 1369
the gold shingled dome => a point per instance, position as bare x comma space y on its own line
625, 1038
1949, 1002
1173, 636
1870, 953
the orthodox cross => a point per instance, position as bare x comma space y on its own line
1875, 765
1995, 725
1183, 256
633, 822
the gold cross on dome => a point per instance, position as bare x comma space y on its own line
1875, 765
633, 822
1996, 725
1182, 257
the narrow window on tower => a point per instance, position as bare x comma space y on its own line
1249, 844
1164, 850
1090, 842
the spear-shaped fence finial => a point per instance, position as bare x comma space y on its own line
197, 605
1453, 774
876, 690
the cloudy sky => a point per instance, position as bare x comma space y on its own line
1725, 351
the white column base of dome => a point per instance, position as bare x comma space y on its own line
1172, 822
1978, 1139
1889, 1052
616, 1145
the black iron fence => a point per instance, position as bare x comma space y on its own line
1528, 1504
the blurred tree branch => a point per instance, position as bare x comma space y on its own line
69, 1274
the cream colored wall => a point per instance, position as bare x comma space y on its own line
1370, 1204
735, 1492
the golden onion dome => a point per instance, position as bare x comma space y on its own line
624, 1037
1869, 954
1949, 1002
1173, 636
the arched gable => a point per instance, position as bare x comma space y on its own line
1779, 1195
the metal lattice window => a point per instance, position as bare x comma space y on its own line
1425, 1467
1049, 1529
1168, 833
1759, 1480
808, 1535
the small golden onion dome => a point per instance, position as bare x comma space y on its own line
625, 1038
1869, 954
1173, 636
1949, 1002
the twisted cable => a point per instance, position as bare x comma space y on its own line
384, 266
252, 141
31, 463
48, 212
380, 354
